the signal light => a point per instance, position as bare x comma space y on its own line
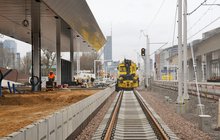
142, 51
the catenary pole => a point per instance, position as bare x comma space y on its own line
185, 94
180, 96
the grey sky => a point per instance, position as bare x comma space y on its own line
128, 17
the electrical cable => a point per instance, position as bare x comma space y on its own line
196, 8
159, 48
173, 33
155, 16
174, 26
195, 23
204, 28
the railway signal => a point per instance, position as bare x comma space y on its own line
142, 51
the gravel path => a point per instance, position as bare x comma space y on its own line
184, 129
90, 129
211, 108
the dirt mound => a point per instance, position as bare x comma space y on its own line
19, 110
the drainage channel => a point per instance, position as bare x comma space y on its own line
131, 122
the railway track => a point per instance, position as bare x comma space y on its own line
131, 118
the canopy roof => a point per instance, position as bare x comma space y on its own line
75, 14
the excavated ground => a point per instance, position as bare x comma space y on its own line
20, 110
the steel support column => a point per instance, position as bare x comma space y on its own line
78, 55
36, 45
58, 52
72, 42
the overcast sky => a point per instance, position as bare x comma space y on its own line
128, 17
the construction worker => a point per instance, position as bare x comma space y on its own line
51, 76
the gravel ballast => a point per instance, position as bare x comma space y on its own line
184, 124
90, 129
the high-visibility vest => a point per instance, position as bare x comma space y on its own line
51, 76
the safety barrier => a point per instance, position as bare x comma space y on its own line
208, 90
61, 124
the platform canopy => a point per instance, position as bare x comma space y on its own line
75, 14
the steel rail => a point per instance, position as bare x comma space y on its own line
113, 118
156, 126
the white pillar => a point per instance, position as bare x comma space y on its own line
185, 94
72, 38
218, 113
58, 46
203, 68
145, 70
94, 68
78, 56
148, 60
208, 65
180, 78
98, 72
36, 43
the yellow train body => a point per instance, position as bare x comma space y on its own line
127, 76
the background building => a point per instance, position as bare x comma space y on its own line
18, 61
206, 55
165, 67
108, 49
10, 50
1, 54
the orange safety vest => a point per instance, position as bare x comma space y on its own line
51, 76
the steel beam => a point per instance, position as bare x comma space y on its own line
58, 53
72, 41
36, 45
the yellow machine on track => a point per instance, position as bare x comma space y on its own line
127, 76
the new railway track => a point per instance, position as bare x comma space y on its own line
131, 118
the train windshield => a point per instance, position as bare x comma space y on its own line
122, 69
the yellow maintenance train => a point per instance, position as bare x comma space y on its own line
127, 76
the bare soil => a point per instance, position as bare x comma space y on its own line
20, 110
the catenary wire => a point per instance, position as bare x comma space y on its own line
174, 26
157, 13
197, 8
195, 23
204, 28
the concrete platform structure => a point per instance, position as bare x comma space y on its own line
207, 58
56, 25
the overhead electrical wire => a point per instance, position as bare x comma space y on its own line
174, 30
174, 25
204, 28
195, 23
155, 16
159, 48
196, 8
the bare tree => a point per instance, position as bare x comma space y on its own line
48, 59
87, 61
26, 64
8, 58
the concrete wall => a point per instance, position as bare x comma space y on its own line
206, 46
